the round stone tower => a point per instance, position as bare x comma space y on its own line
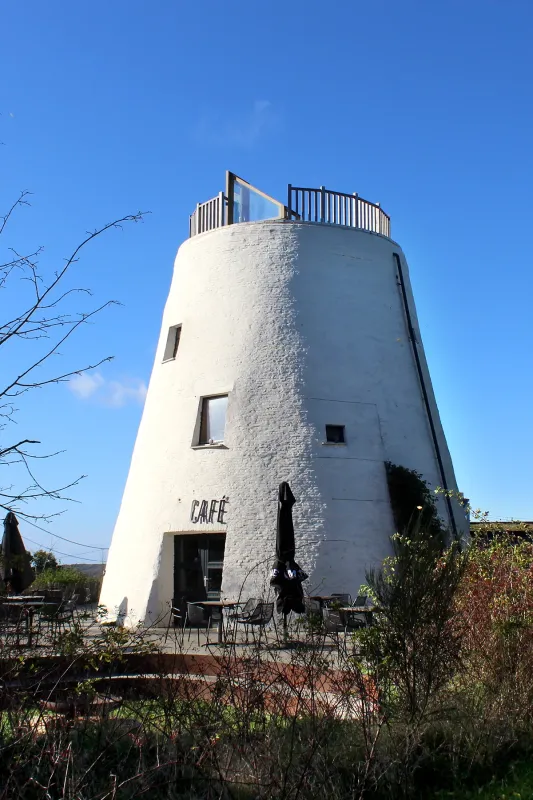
289, 351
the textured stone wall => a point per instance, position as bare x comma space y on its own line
303, 326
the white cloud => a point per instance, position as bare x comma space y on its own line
240, 129
85, 385
114, 393
119, 393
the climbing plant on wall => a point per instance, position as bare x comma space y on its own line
412, 500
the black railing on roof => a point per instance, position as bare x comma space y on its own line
337, 208
242, 202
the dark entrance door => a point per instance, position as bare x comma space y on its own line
198, 564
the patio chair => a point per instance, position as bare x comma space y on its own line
197, 617
356, 620
246, 611
53, 595
343, 599
363, 617
248, 608
312, 621
175, 618
361, 600
13, 624
262, 615
333, 624
57, 617
312, 606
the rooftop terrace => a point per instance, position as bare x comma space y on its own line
242, 202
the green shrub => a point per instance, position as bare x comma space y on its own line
413, 644
70, 581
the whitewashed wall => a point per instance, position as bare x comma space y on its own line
303, 326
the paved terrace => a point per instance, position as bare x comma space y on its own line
300, 673
269, 643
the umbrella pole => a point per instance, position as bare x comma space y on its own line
285, 626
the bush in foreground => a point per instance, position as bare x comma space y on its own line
420, 705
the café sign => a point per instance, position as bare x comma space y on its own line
209, 512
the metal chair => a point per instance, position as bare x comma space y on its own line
355, 620
196, 617
313, 609
262, 615
13, 623
175, 617
46, 618
344, 599
248, 608
246, 611
360, 619
361, 600
58, 617
53, 595
333, 624
312, 621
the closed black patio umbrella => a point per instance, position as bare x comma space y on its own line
15, 569
287, 576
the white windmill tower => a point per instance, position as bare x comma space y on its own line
289, 350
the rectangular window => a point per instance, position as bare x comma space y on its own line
335, 434
173, 341
213, 420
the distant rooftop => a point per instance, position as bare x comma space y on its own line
518, 529
242, 202
503, 525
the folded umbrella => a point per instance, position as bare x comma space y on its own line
287, 576
15, 567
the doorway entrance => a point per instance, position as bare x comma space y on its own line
198, 564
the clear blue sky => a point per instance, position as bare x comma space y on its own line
111, 107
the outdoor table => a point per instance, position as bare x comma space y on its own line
23, 598
323, 598
29, 604
366, 610
221, 604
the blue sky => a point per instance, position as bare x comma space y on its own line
108, 108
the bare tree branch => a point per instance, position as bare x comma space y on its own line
16, 447
20, 201
27, 315
18, 381
40, 318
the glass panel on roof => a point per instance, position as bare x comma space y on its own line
251, 205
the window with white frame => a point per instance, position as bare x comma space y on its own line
213, 419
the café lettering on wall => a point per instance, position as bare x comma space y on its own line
209, 512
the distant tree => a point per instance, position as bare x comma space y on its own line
43, 560
38, 318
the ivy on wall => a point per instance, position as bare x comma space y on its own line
412, 501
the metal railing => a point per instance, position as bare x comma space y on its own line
309, 205
209, 215
337, 208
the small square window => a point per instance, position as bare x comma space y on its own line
173, 341
213, 419
335, 434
